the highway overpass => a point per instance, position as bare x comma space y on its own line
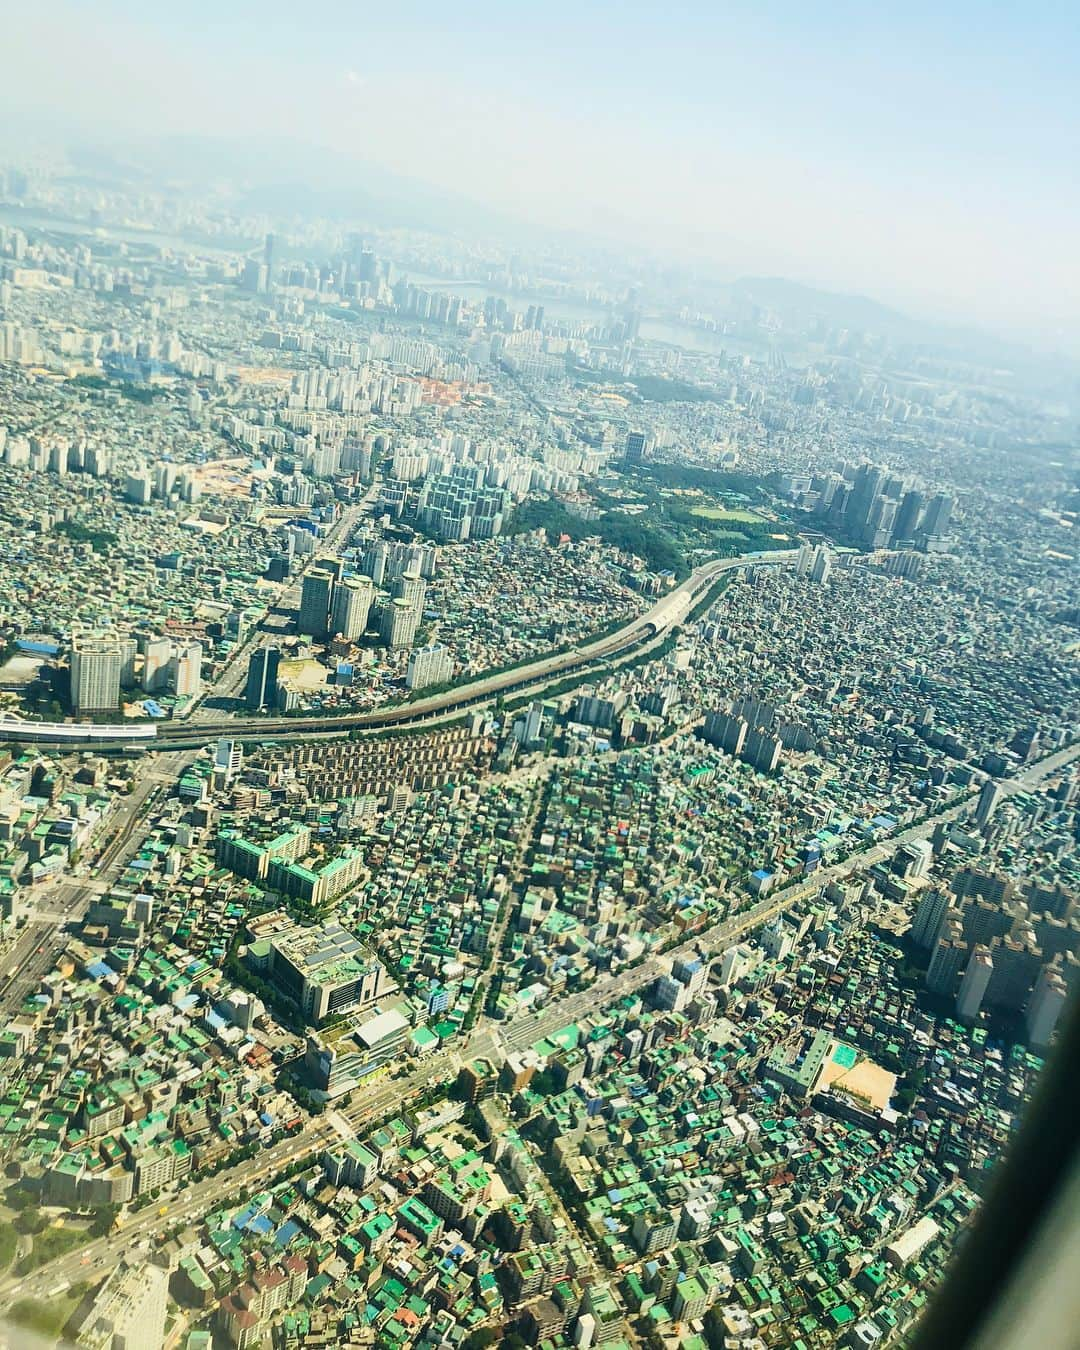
656, 622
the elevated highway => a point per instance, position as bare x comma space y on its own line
640, 632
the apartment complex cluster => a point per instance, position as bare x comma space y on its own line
994, 944
390, 618
457, 490
383, 770
692, 1005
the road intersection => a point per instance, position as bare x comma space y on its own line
488, 1038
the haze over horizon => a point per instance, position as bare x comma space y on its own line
918, 161
539, 676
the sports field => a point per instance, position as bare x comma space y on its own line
735, 515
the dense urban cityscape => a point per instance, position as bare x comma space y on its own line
538, 792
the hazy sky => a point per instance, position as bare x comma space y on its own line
929, 159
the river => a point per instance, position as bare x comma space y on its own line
18, 218
671, 332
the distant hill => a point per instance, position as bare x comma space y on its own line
282, 178
849, 311
799, 302
287, 177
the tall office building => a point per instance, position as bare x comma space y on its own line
351, 607
938, 515
821, 566
422, 558
949, 955
228, 758
316, 597
164, 479
637, 447
881, 522
400, 621
139, 486
96, 666
725, 732
255, 276
186, 670
376, 561
98, 461
129, 650
929, 917
909, 515
988, 801
533, 726
367, 265
156, 658
335, 566
1044, 1007
762, 750
262, 679
864, 495
980, 968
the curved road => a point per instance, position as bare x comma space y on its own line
656, 622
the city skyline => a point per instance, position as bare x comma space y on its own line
919, 163
539, 725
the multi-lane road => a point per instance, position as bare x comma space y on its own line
37, 948
231, 680
527, 1030
641, 631
532, 678
65, 901
488, 1038
95, 1259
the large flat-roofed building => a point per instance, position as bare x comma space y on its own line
797, 1066
428, 665
278, 864
400, 621
316, 597
338, 1061
129, 1310
317, 885
352, 607
261, 690
327, 971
